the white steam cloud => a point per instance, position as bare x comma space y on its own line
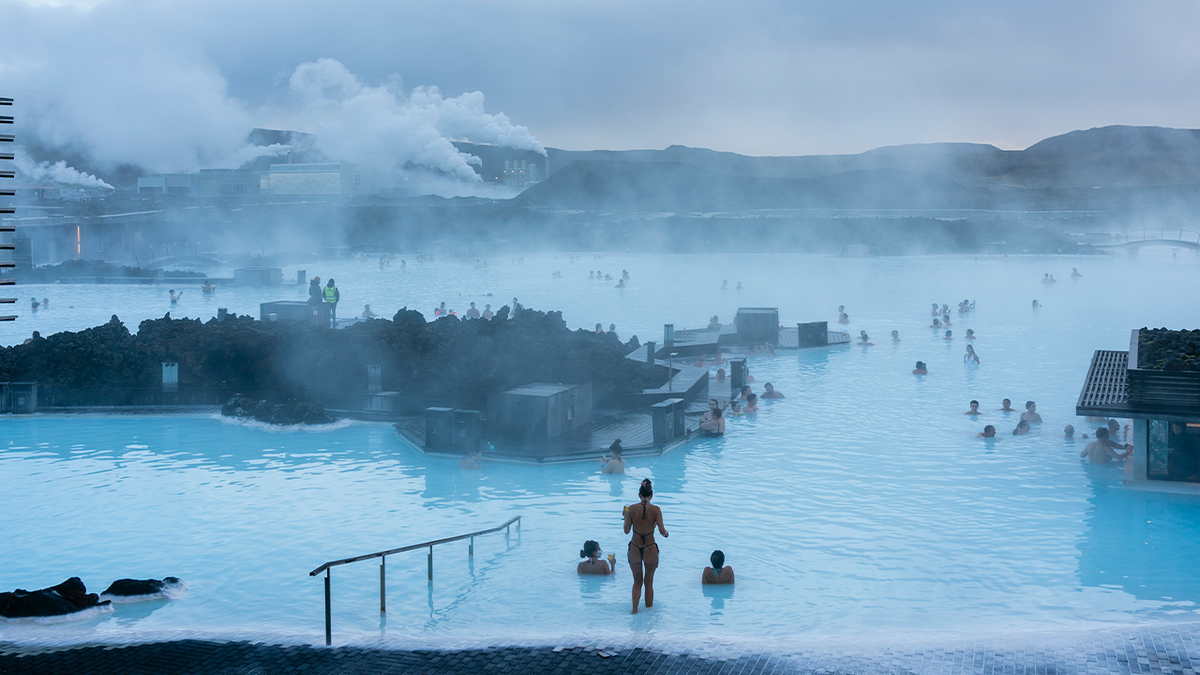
158, 103
250, 153
58, 173
386, 128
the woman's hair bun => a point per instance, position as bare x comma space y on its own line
647, 489
589, 547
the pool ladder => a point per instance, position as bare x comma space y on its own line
382, 555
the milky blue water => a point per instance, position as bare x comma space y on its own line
860, 503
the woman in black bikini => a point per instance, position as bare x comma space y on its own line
641, 519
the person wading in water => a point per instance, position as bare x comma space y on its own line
641, 519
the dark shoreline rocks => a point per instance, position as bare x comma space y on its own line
67, 598
123, 591
288, 413
451, 362
94, 270
1169, 350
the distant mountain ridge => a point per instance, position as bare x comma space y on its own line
1053, 174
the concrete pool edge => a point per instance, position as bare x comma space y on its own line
1155, 648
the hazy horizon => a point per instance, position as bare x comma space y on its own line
175, 87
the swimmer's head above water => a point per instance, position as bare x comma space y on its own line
591, 549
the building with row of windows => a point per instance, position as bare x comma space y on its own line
342, 179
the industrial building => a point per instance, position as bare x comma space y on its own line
205, 183
520, 174
331, 180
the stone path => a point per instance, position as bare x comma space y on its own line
1160, 649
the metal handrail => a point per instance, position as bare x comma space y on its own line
382, 555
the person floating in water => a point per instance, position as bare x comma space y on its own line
988, 432
974, 409
920, 369
946, 319
971, 356
621, 283
473, 460
770, 391
367, 313
935, 311
45, 304
715, 426
863, 339
613, 463
1075, 272
751, 404
719, 573
1100, 451
175, 296
593, 564
641, 519
1030, 415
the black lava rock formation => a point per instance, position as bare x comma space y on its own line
66, 598
1169, 350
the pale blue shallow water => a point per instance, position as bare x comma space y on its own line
861, 503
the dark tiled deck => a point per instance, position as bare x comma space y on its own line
1158, 649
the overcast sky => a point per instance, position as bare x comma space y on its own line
756, 77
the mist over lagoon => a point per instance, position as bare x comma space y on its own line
437, 336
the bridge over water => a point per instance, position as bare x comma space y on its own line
1135, 239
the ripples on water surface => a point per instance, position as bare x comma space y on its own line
862, 502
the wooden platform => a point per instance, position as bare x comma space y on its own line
633, 428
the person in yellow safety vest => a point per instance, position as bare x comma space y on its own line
331, 298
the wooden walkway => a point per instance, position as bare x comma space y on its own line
635, 429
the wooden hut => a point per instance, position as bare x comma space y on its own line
537, 413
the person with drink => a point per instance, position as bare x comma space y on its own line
593, 564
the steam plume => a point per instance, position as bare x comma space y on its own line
57, 172
388, 129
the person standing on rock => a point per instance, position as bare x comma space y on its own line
331, 298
